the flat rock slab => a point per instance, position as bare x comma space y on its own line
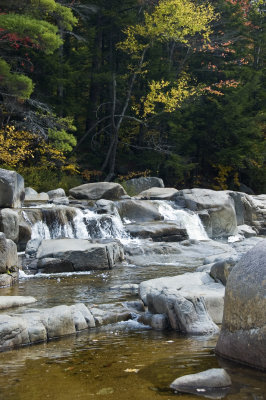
82, 254
211, 383
15, 301
157, 193
193, 302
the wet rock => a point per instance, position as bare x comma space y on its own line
9, 279
56, 193
193, 302
82, 254
138, 211
60, 201
220, 270
157, 193
105, 207
218, 206
8, 254
99, 190
15, 301
136, 305
107, 314
32, 247
137, 185
246, 231
9, 223
24, 235
87, 315
11, 189
243, 334
211, 383
132, 288
13, 331
158, 231
54, 265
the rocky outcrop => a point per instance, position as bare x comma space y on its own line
243, 334
216, 210
212, 383
160, 231
77, 255
138, 211
157, 193
11, 189
8, 262
137, 185
97, 191
193, 302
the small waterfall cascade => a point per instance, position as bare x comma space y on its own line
188, 220
70, 222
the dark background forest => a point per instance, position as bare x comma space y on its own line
71, 97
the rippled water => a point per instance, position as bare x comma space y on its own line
118, 363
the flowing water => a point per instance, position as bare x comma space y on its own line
126, 361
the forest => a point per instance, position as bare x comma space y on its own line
94, 90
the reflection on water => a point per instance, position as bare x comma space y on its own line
116, 364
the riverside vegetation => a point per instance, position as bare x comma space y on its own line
113, 285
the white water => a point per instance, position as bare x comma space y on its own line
188, 220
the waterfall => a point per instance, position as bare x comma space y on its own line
69, 222
188, 220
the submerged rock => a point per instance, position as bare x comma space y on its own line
243, 334
97, 191
213, 383
11, 189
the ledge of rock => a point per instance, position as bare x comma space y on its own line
78, 255
243, 334
158, 231
157, 193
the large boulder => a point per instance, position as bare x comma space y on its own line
9, 223
11, 189
193, 302
160, 231
157, 193
99, 190
82, 254
243, 334
138, 211
8, 254
137, 185
56, 193
216, 210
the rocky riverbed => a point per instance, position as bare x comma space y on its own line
158, 262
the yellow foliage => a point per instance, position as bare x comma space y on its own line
134, 174
89, 174
221, 178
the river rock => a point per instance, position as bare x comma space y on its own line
24, 236
8, 254
220, 270
216, 209
13, 331
11, 189
212, 383
56, 193
54, 265
138, 211
15, 301
99, 190
158, 231
246, 231
157, 193
137, 185
9, 223
243, 334
82, 254
106, 314
31, 198
193, 302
